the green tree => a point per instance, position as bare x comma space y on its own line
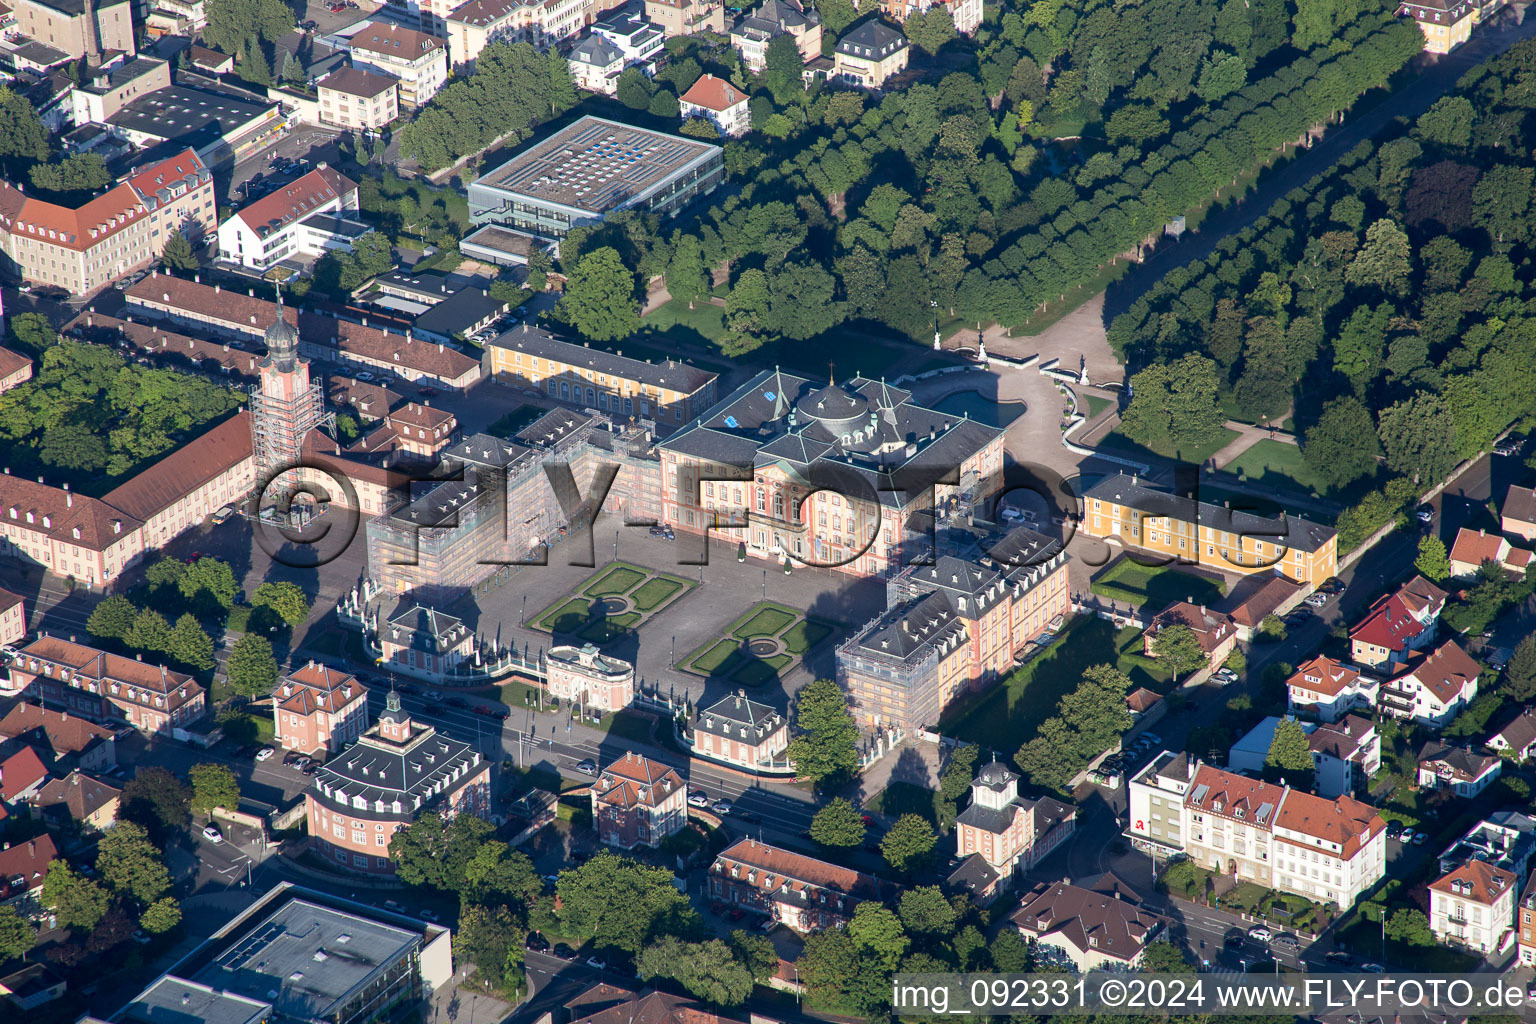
112, 619
802, 303
826, 749
285, 600
925, 910
73, 446
155, 799
837, 15
663, 104
150, 632
77, 901
1010, 954
251, 668
1448, 122
1290, 756
1220, 75
161, 916
1419, 436
209, 582
1175, 405
709, 970
190, 645
178, 254
699, 128
1433, 563
622, 904
633, 89
757, 952
1385, 260
1165, 958
131, 866
930, 32
1409, 927
687, 276
23, 139
491, 938
1519, 680
437, 852
908, 844
1341, 446
16, 934
539, 265
81, 172
30, 332
1177, 647
838, 824
213, 785
498, 874
599, 298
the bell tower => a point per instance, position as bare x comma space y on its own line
286, 405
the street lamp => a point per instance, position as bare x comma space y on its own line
765, 584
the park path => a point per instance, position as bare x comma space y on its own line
1248, 435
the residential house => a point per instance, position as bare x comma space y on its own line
1518, 516
801, 892
1345, 754
22, 775
384, 780
1474, 547
869, 54
15, 369
596, 64
1442, 766
1155, 823
294, 221
1204, 534
1526, 942
65, 742
1517, 738
1009, 832
639, 39
1505, 839
1434, 688
966, 14
358, 99
1229, 824
1255, 598
424, 642
609, 1004
757, 28
24, 866
740, 731
79, 798
1330, 851
473, 26
1216, 632
718, 102
1099, 927
85, 248
638, 801
108, 688
418, 61
13, 616
1328, 689
585, 676
1473, 906
318, 709
687, 17
1397, 624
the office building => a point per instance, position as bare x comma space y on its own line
296, 221
581, 173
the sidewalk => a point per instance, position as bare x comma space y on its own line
1248, 435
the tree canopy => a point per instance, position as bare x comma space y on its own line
826, 748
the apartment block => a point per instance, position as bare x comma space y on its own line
358, 99
1432, 688
418, 61
473, 26
1473, 906
1329, 689
107, 688
293, 221
687, 17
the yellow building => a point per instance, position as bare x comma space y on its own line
1447, 24
1199, 533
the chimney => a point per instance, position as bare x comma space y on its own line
217, 289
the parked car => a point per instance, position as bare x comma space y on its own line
395, 905
1394, 829
536, 942
1318, 599
1332, 585
698, 798
722, 807
1287, 942
1507, 448
1260, 933
311, 768
264, 753
1420, 838
456, 702
1338, 956
1225, 676
433, 694
1373, 968
597, 963
291, 757
1298, 618
428, 915
212, 834
1425, 514
1235, 941
587, 767
564, 952
223, 514
480, 709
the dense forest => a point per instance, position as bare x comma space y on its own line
1386, 300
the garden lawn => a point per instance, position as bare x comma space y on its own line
1155, 587
768, 621
655, 592
628, 725
755, 671
1117, 441
718, 654
1276, 463
619, 579
567, 617
600, 631
804, 635
704, 319
1003, 717
1095, 405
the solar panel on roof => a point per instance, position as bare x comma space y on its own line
770, 395
732, 422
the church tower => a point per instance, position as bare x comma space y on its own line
286, 405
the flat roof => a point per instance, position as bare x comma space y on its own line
597, 165
505, 241
306, 958
172, 1000
176, 110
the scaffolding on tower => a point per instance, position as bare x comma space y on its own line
279, 425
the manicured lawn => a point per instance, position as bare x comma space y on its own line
704, 319
712, 658
567, 617
767, 622
655, 592
628, 725
617, 580
1008, 714
1277, 463
755, 671
1095, 405
804, 635
1117, 441
603, 630
518, 694
1155, 587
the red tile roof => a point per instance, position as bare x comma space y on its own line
96, 669
1446, 672
20, 772
1211, 628
635, 780
1343, 821
1324, 675
80, 228
153, 339
775, 866
65, 733
395, 41
1476, 880
1397, 618
1215, 791
1263, 600
317, 687
1474, 547
715, 93
59, 513
29, 860
296, 201
10, 362
186, 469
185, 168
